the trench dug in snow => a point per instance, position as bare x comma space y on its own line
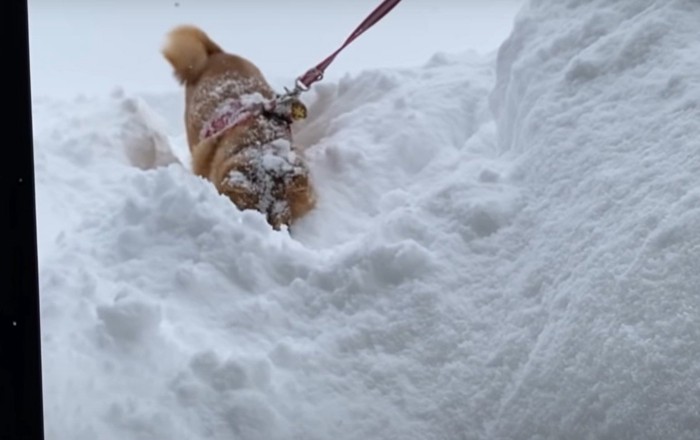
501, 250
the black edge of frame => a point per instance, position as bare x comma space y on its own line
20, 335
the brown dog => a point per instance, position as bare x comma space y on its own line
236, 142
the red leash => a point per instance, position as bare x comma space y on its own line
316, 73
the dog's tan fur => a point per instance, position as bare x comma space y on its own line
209, 76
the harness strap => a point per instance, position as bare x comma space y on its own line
284, 111
225, 121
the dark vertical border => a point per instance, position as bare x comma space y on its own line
20, 337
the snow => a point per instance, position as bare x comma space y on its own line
505, 247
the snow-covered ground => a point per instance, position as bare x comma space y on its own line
506, 246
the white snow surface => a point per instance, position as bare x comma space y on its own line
505, 247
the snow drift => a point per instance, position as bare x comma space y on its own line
598, 102
503, 249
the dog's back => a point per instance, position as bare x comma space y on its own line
209, 75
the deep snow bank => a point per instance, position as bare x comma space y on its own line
599, 104
168, 313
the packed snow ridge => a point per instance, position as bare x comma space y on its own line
504, 248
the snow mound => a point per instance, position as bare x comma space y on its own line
598, 102
228, 328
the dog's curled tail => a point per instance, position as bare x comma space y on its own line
187, 48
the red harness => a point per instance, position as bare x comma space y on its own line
233, 113
229, 118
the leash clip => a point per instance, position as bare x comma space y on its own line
289, 105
